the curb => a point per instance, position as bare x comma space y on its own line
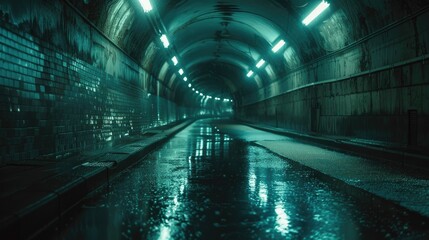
27, 213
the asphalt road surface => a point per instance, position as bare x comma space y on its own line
205, 183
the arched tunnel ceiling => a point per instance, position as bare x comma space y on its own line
218, 41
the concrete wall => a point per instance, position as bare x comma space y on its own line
365, 90
65, 88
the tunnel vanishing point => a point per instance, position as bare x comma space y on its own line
85, 76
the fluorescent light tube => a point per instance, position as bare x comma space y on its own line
147, 7
260, 63
279, 45
165, 41
250, 73
316, 12
175, 61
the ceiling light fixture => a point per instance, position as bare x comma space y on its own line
279, 45
316, 12
181, 72
175, 61
189, 85
260, 63
250, 73
165, 41
147, 7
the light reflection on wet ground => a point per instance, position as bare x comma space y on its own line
204, 184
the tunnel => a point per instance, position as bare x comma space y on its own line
214, 119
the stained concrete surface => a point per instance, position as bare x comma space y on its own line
404, 186
206, 183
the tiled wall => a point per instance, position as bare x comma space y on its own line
52, 102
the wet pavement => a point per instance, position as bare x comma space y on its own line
206, 184
409, 187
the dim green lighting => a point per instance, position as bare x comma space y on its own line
260, 63
279, 45
316, 12
147, 7
165, 41
175, 61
